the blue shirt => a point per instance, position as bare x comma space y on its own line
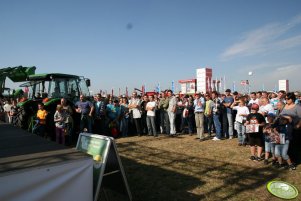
84, 106
113, 111
199, 105
229, 99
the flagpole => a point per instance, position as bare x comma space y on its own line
224, 83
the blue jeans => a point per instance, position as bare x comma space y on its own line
151, 125
269, 147
230, 124
281, 150
241, 129
124, 126
164, 121
217, 125
208, 123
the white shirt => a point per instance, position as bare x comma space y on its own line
253, 101
151, 112
240, 111
136, 112
7, 107
268, 108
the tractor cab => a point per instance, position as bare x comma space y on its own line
55, 85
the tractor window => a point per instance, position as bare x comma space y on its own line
72, 88
39, 90
84, 88
57, 88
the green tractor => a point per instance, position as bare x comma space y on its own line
49, 89
15, 74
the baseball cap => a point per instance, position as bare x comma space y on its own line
255, 106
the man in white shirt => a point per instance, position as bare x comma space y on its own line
134, 107
172, 106
253, 99
150, 116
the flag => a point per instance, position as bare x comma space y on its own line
143, 90
212, 85
220, 84
112, 92
158, 88
126, 92
172, 86
224, 83
208, 85
216, 84
233, 87
262, 87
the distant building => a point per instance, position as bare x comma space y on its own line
284, 85
188, 86
204, 79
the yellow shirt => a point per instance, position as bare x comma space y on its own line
41, 114
208, 108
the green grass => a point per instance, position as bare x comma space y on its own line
185, 169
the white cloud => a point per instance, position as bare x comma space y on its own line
288, 43
267, 38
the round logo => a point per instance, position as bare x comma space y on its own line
282, 189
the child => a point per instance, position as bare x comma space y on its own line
270, 139
59, 119
242, 113
254, 124
41, 115
283, 127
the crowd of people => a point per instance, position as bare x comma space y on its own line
269, 123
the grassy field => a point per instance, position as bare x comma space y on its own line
184, 169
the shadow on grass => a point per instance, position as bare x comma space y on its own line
156, 174
148, 182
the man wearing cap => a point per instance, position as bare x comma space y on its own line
228, 100
199, 107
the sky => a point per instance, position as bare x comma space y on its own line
130, 43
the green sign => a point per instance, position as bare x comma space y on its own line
109, 181
92, 145
97, 146
282, 189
